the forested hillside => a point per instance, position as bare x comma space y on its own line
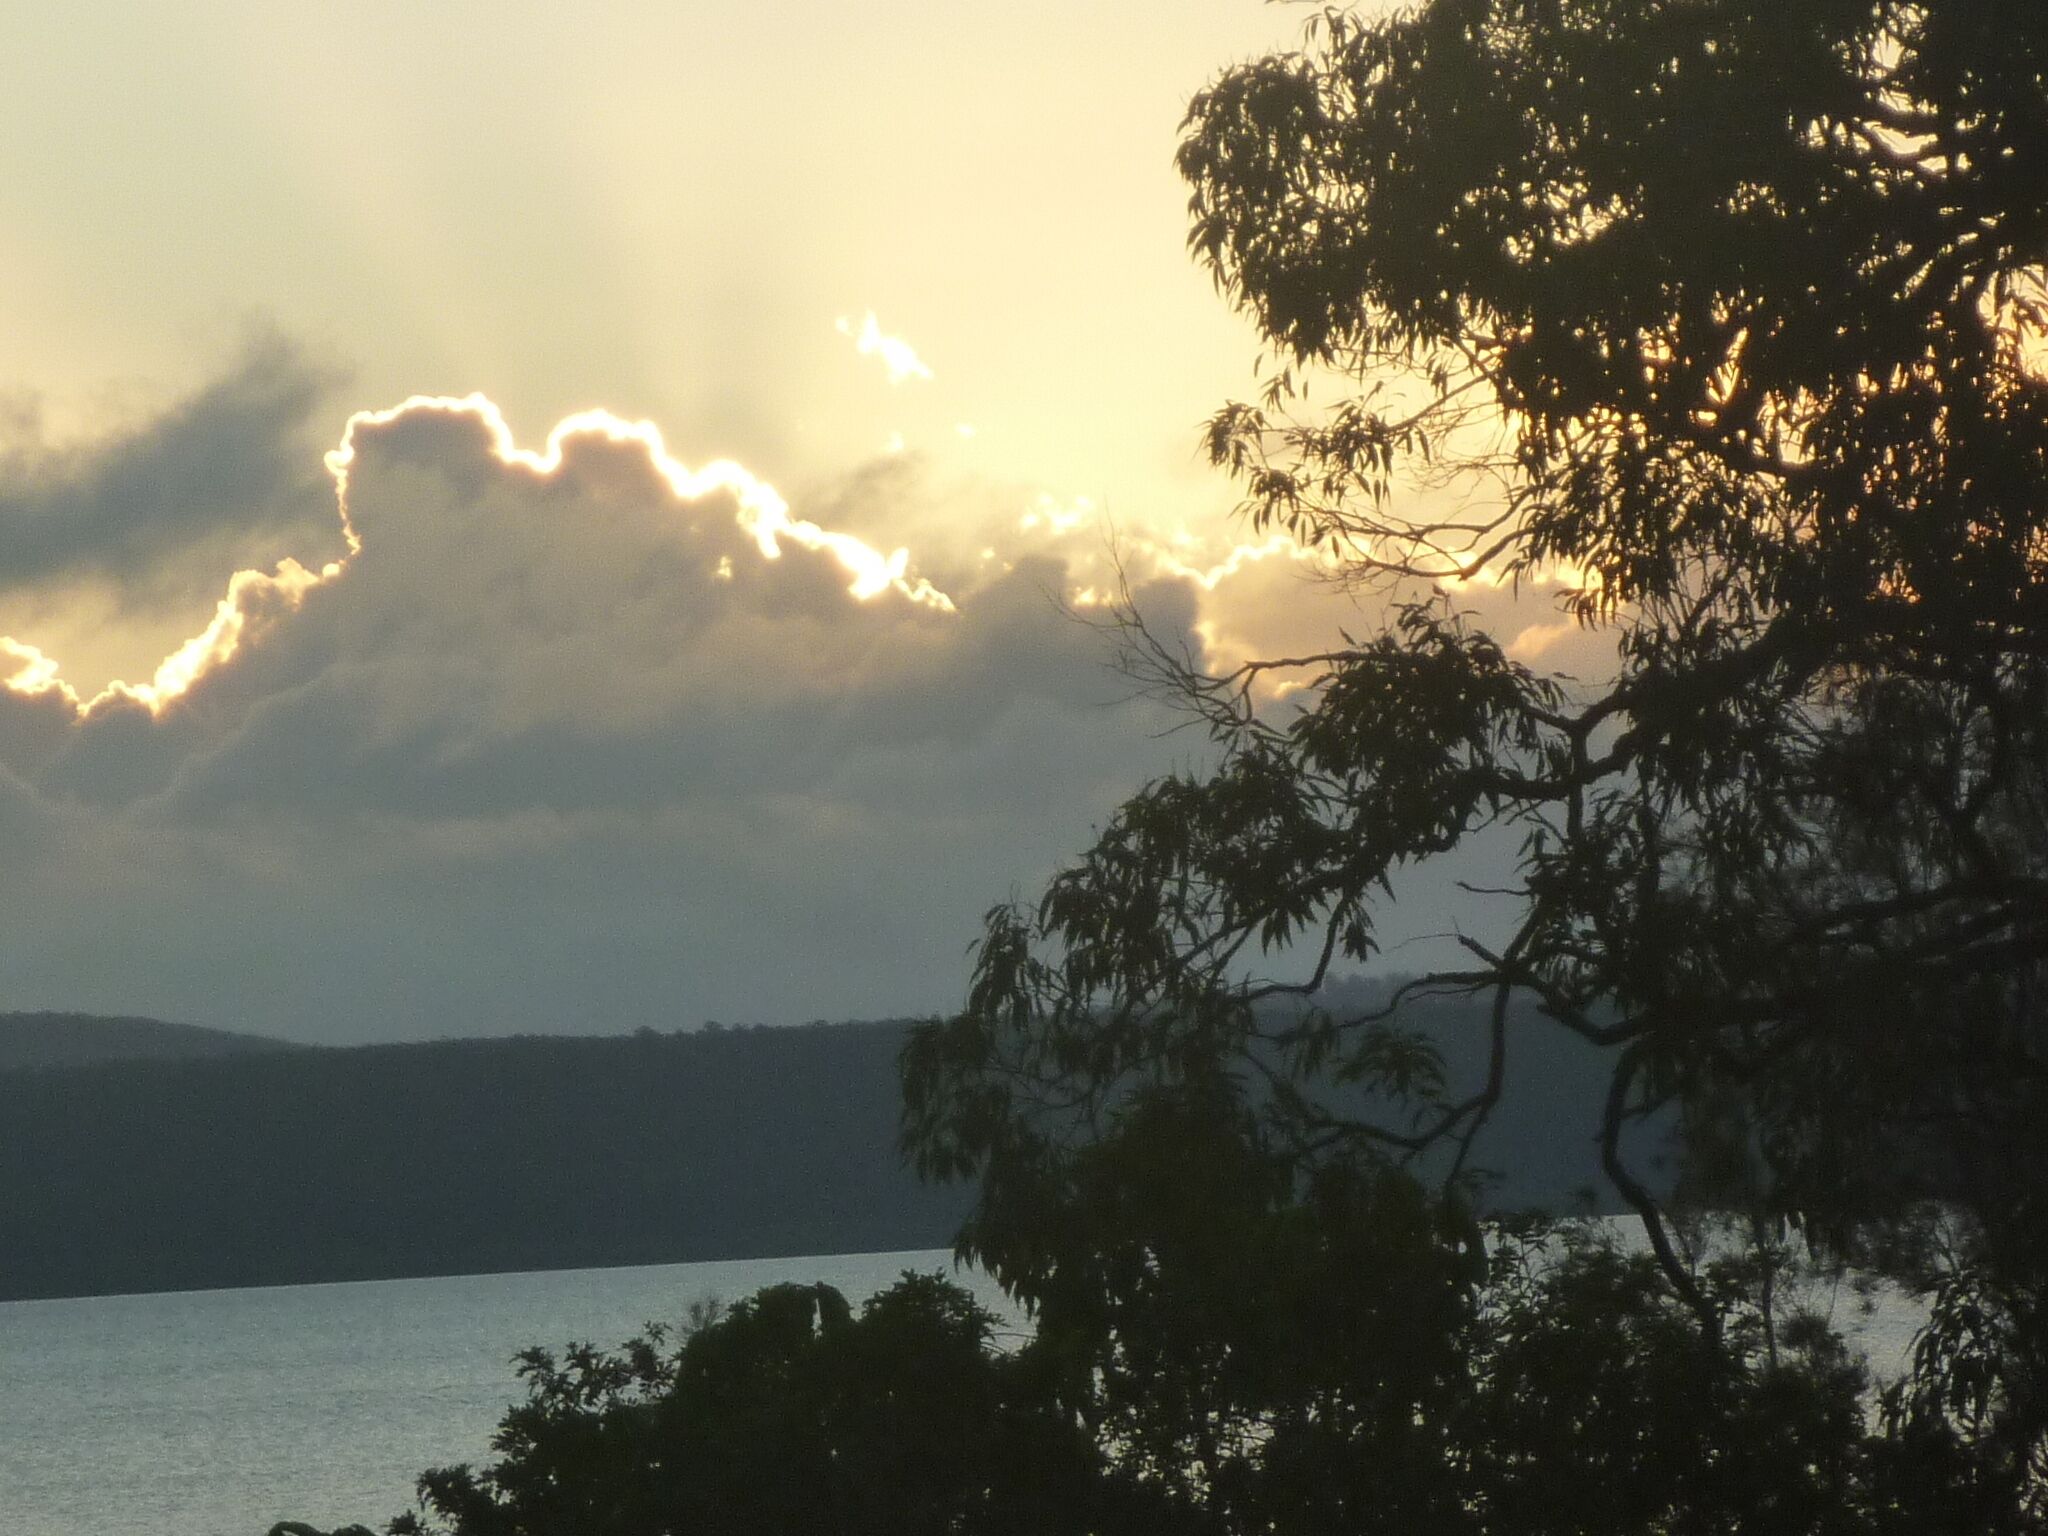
453, 1157
260, 1167
76, 1039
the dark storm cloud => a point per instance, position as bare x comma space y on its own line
226, 462
560, 746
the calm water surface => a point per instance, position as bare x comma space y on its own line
217, 1413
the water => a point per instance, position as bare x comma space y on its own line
217, 1413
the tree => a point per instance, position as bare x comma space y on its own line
1344, 1355
1739, 313
1546, 1392
789, 1412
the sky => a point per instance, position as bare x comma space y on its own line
530, 518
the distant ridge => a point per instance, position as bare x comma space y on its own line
142, 1156
278, 1167
31, 1041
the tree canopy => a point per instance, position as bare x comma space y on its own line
790, 1411
1736, 314
1563, 1392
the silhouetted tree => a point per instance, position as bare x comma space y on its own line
790, 1412
1243, 1362
1734, 311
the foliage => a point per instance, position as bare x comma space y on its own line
1340, 1364
1348, 1352
1737, 314
789, 1412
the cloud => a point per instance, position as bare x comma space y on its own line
896, 354
567, 737
584, 736
1536, 639
224, 465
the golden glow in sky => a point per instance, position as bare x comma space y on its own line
898, 356
762, 511
255, 597
252, 596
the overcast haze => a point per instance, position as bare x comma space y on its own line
745, 713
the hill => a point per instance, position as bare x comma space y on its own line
30, 1041
207, 1159
276, 1167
